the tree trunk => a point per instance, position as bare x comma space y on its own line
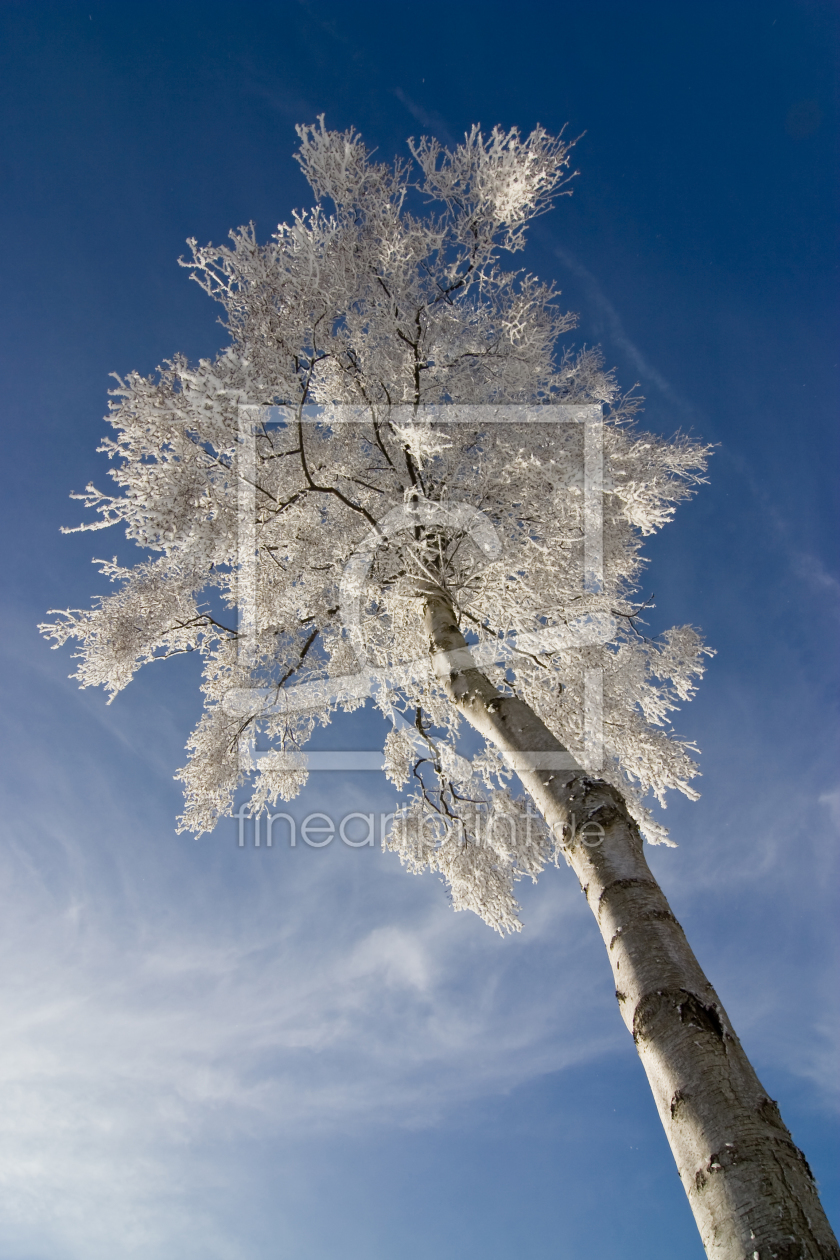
750, 1188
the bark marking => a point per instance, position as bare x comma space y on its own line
691, 1009
617, 884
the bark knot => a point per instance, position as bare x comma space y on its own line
698, 1015
716, 1163
688, 1006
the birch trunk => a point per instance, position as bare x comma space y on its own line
750, 1188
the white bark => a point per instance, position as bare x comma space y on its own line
750, 1188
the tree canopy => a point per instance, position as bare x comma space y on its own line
396, 413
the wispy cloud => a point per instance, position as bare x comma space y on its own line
168, 1005
132, 1051
434, 123
615, 325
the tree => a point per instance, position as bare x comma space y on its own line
393, 470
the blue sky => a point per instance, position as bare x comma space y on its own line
210, 1052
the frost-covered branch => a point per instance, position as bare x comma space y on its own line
368, 323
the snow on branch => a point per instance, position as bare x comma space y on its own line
384, 367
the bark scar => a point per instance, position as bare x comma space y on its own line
691, 1010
